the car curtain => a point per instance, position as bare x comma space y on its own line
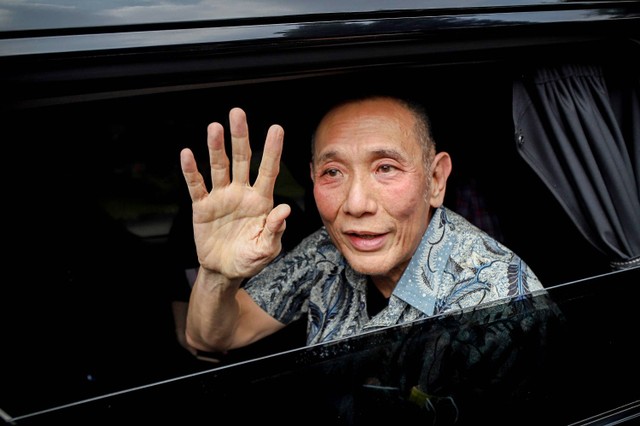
578, 127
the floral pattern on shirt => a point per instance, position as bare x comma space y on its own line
456, 266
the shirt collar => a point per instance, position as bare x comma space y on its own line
419, 284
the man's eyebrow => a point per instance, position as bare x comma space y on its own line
388, 153
326, 156
376, 153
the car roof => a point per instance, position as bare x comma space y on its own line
31, 27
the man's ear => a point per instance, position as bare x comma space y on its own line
311, 172
440, 171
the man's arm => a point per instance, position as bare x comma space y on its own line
222, 316
237, 232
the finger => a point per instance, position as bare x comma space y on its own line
241, 150
270, 164
193, 178
276, 222
217, 155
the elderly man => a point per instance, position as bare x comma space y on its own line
388, 252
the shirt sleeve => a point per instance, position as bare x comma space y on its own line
283, 288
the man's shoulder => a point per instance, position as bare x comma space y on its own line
465, 231
475, 248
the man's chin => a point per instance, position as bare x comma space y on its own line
369, 266
379, 266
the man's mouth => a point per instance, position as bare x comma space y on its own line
366, 241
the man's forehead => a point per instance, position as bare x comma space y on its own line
367, 128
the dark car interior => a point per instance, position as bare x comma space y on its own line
93, 191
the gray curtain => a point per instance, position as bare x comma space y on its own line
579, 130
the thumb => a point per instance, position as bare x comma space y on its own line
276, 220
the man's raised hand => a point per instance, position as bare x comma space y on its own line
237, 230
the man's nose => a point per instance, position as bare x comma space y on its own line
361, 197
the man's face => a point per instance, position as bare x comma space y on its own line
371, 186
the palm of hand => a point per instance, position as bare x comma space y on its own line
229, 231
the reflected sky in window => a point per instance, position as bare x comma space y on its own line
40, 14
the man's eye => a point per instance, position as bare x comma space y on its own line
386, 168
331, 172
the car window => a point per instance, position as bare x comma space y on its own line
100, 189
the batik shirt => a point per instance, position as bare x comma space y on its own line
456, 266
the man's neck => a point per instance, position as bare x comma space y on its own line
383, 284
